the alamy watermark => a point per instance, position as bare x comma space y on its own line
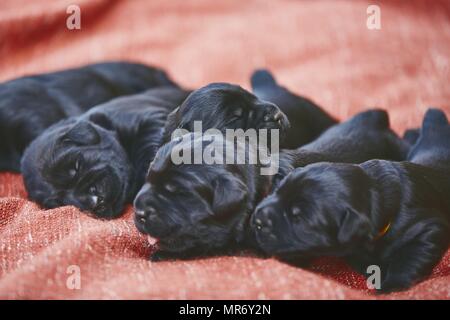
73, 281
373, 21
235, 147
73, 21
374, 280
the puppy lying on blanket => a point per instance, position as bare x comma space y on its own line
97, 161
307, 119
391, 214
365, 136
30, 104
225, 106
202, 209
199, 209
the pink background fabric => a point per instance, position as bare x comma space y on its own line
320, 49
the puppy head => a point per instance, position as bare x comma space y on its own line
225, 106
79, 163
191, 206
322, 209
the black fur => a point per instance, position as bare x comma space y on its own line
186, 221
330, 209
365, 136
97, 161
307, 119
197, 209
432, 146
29, 105
225, 106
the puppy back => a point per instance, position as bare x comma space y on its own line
378, 118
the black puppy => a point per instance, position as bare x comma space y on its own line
204, 209
199, 209
307, 119
30, 104
391, 214
365, 136
225, 106
97, 161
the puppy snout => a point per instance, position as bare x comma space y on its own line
275, 115
263, 221
143, 215
278, 116
140, 216
94, 201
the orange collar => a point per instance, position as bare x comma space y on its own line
383, 231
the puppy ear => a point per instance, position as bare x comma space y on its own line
262, 78
354, 226
83, 133
230, 195
171, 124
102, 120
374, 118
433, 118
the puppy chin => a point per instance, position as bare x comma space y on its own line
115, 200
265, 244
110, 213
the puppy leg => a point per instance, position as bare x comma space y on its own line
426, 243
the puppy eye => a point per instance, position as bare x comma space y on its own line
296, 213
170, 187
74, 170
238, 112
93, 190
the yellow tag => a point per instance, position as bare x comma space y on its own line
383, 231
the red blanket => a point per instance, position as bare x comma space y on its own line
322, 49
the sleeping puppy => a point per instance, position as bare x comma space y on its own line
199, 209
365, 136
97, 161
225, 106
204, 209
29, 105
391, 214
307, 119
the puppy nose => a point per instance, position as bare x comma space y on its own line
273, 114
139, 213
278, 116
141, 216
262, 221
94, 201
